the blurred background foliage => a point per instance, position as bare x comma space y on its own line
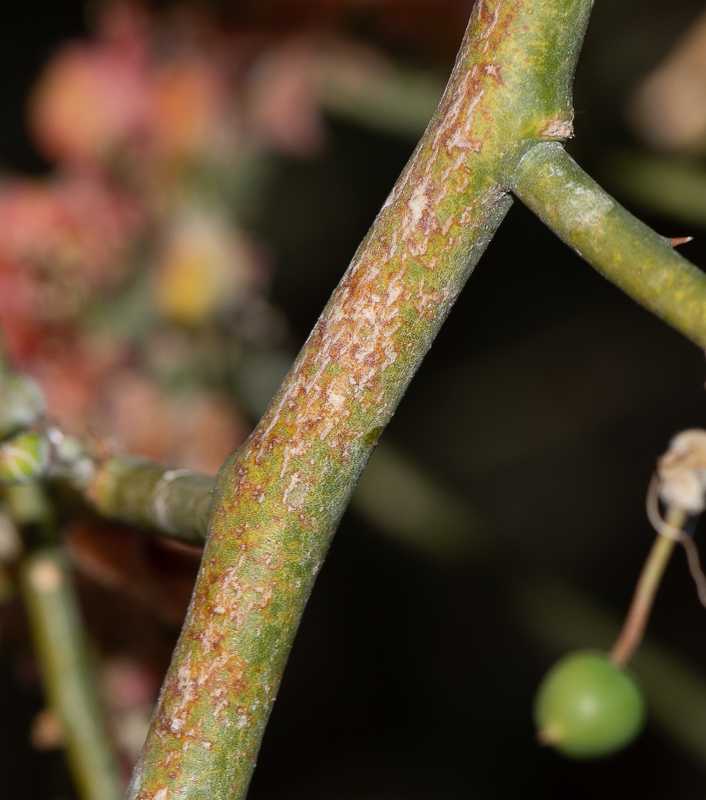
183, 186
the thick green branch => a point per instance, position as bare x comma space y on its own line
279, 499
623, 249
394, 494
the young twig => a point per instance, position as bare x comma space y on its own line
624, 250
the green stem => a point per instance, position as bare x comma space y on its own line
175, 502
65, 662
279, 499
394, 494
623, 249
61, 647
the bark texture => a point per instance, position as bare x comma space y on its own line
279, 498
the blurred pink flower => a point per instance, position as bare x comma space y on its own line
192, 110
197, 430
92, 99
74, 224
282, 96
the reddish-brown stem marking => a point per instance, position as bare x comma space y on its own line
278, 500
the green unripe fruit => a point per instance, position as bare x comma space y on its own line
21, 404
587, 706
23, 457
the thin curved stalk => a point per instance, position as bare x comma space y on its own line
279, 499
635, 625
624, 250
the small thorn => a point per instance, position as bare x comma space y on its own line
680, 240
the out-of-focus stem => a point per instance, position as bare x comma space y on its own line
60, 643
379, 96
61, 647
624, 250
671, 185
175, 502
647, 585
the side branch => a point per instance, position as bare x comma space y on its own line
175, 502
624, 250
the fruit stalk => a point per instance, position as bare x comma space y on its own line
636, 620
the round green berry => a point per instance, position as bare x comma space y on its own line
587, 706
23, 457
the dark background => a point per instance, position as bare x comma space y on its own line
544, 403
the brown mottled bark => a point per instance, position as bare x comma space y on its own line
279, 499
